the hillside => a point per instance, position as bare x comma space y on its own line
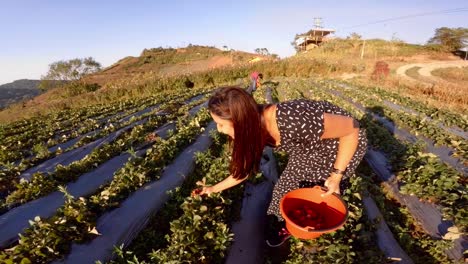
172, 61
18, 90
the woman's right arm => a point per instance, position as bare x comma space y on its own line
222, 185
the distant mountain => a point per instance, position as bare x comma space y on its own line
17, 91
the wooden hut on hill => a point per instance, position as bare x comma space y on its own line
312, 39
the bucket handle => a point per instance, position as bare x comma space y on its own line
320, 187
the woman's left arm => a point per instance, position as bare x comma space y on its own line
346, 129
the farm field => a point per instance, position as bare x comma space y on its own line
111, 183
126, 136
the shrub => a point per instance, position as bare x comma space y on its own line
77, 88
381, 70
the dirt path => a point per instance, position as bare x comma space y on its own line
426, 69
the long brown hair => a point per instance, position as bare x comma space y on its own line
250, 136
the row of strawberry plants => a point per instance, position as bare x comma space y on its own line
153, 237
41, 151
23, 125
259, 95
141, 106
423, 174
380, 138
150, 167
66, 118
170, 106
19, 147
11, 171
176, 105
193, 238
200, 232
49, 239
68, 133
309, 255
44, 183
421, 247
416, 124
446, 117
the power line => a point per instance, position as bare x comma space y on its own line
448, 11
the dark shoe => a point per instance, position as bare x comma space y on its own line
282, 236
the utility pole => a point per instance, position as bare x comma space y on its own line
317, 24
362, 49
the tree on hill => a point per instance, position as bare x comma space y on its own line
262, 51
355, 39
294, 43
354, 36
68, 71
450, 38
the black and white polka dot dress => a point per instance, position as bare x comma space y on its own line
311, 159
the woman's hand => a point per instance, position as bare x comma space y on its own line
219, 187
333, 184
205, 190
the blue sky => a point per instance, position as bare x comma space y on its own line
35, 33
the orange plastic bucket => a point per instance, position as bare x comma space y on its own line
309, 215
